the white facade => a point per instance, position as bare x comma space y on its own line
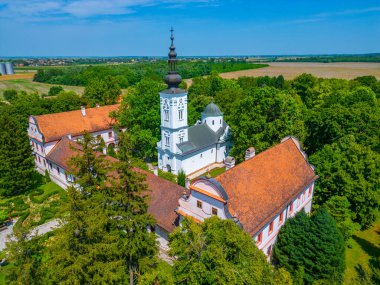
189, 149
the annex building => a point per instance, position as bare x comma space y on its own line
259, 194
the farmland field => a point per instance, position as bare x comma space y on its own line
24, 75
290, 70
29, 86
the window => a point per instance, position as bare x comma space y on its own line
260, 238
166, 115
269, 250
310, 190
212, 122
291, 208
39, 159
37, 146
201, 155
110, 134
58, 170
44, 162
271, 226
167, 141
212, 150
50, 165
214, 211
180, 139
66, 176
220, 121
281, 217
180, 114
199, 204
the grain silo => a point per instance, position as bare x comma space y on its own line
2, 68
9, 68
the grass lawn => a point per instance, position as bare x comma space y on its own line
37, 206
216, 171
365, 245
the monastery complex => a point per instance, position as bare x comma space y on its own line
259, 194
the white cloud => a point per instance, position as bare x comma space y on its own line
82, 8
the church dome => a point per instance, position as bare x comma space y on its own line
212, 110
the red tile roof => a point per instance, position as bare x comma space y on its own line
55, 126
261, 187
163, 194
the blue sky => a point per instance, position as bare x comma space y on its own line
202, 27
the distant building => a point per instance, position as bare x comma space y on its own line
190, 149
6, 68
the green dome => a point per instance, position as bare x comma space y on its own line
212, 110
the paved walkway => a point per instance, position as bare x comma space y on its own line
5, 236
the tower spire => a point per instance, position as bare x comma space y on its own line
173, 79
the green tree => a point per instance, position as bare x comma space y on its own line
352, 170
102, 91
311, 248
26, 255
140, 114
263, 118
17, 166
339, 209
55, 90
219, 252
181, 179
65, 101
10, 94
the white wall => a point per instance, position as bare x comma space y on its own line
197, 160
214, 122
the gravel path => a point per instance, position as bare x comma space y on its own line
39, 230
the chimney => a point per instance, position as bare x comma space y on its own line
249, 153
83, 110
187, 183
229, 162
155, 170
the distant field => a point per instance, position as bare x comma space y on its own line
290, 70
29, 86
29, 75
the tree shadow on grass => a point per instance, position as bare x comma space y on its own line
371, 249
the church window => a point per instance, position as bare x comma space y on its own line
180, 114
214, 211
166, 115
199, 204
180, 139
212, 122
167, 141
271, 226
260, 238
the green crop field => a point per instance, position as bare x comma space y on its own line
29, 86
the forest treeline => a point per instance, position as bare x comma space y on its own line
129, 74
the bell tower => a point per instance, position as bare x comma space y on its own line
173, 110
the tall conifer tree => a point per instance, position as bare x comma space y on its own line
17, 166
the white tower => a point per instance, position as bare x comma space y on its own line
173, 109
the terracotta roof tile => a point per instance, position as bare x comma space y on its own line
55, 126
262, 186
163, 194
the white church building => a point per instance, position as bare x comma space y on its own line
184, 148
